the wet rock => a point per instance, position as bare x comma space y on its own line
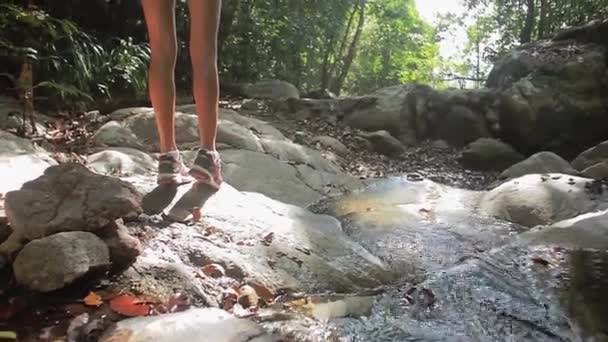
332, 143
594, 155
271, 89
534, 200
384, 143
122, 161
58, 260
489, 154
209, 324
20, 161
542, 162
326, 182
69, 197
124, 248
307, 252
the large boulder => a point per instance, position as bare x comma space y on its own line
537, 199
53, 262
551, 91
384, 143
271, 89
489, 154
69, 197
542, 162
593, 156
122, 161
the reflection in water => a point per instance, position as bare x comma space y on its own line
585, 293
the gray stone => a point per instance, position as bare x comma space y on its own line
460, 126
489, 154
113, 134
288, 151
536, 199
542, 162
123, 113
237, 136
208, 324
123, 247
122, 161
334, 144
58, 260
271, 89
597, 171
258, 172
591, 156
384, 143
69, 197
326, 182
20, 161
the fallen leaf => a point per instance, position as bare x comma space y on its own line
177, 303
271, 262
540, 261
9, 335
229, 299
267, 240
196, 214
263, 292
93, 299
304, 250
214, 271
130, 306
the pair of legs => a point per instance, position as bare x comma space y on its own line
204, 25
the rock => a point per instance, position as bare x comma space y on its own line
122, 161
248, 297
587, 231
386, 110
536, 199
20, 161
489, 154
69, 197
113, 134
56, 261
308, 252
441, 144
321, 94
591, 156
237, 136
384, 143
288, 151
251, 105
550, 92
326, 182
459, 126
542, 162
11, 117
209, 324
124, 248
334, 144
123, 113
279, 181
597, 171
272, 89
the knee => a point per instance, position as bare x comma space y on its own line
204, 65
164, 56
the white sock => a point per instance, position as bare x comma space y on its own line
175, 154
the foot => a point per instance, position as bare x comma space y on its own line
171, 169
207, 169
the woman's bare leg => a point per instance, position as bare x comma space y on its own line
204, 26
160, 21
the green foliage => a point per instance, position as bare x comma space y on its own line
70, 65
397, 47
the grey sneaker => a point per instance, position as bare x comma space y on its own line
171, 170
207, 169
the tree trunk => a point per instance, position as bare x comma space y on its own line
542, 22
338, 55
526, 33
352, 51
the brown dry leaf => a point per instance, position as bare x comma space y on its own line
266, 294
214, 271
229, 299
267, 240
248, 297
93, 299
127, 305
